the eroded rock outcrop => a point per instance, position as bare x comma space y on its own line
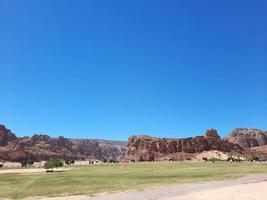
211, 133
147, 148
6, 136
8, 148
43, 147
248, 138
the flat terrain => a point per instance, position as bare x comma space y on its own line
252, 187
251, 191
89, 180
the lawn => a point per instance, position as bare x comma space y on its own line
119, 177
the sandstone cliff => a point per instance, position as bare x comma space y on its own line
241, 141
42, 147
146, 148
248, 138
6, 136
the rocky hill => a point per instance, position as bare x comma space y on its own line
42, 147
248, 138
147, 148
241, 141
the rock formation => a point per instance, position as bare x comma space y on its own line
140, 148
248, 138
43, 147
146, 148
6, 136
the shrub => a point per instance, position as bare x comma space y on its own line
230, 159
69, 162
256, 158
233, 159
25, 163
53, 163
113, 161
29, 162
205, 159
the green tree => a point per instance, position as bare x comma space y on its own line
113, 161
53, 163
29, 162
69, 162
205, 159
23, 163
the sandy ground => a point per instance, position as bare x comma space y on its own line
251, 191
245, 188
28, 170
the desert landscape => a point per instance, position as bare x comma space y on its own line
133, 100
144, 168
176, 180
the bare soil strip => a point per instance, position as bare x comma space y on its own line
250, 191
209, 190
29, 170
22, 171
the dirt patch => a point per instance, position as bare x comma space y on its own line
29, 171
251, 191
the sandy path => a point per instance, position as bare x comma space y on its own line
251, 191
22, 171
245, 188
29, 170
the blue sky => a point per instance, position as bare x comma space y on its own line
111, 69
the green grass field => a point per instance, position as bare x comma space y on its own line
118, 177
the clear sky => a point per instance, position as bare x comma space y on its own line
111, 69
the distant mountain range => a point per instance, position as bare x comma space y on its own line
42, 147
241, 142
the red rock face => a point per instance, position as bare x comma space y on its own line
248, 138
146, 148
6, 136
212, 133
9, 151
42, 147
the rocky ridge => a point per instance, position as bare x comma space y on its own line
42, 147
147, 148
241, 141
248, 138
